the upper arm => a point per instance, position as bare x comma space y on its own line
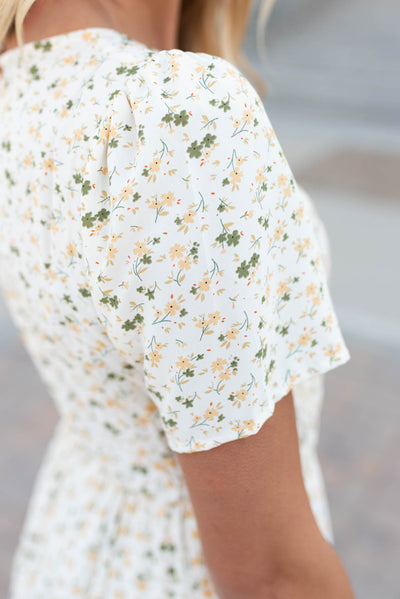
250, 503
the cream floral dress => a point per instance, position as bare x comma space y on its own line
168, 277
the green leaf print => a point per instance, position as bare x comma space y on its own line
34, 71
182, 118
88, 220
208, 140
77, 177
130, 325
271, 365
84, 292
132, 70
45, 46
114, 302
114, 93
113, 143
194, 150
244, 269
168, 117
102, 215
112, 428
233, 238
225, 105
169, 422
85, 187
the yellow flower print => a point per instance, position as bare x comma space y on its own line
210, 414
304, 339
206, 155
185, 263
278, 232
282, 180
214, 317
288, 191
218, 365
156, 204
105, 131
34, 132
133, 103
54, 227
48, 164
235, 178
311, 289
242, 394
96, 230
28, 160
174, 68
249, 424
232, 333
201, 69
71, 250
330, 352
316, 300
140, 249
69, 59
176, 251
154, 165
183, 363
155, 357
126, 192
298, 246
172, 307
282, 288
78, 133
188, 217
260, 176
168, 198
238, 428
225, 375
240, 160
111, 253
247, 115
201, 323
203, 287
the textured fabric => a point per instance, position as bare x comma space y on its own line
168, 276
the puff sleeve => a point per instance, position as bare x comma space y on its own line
204, 264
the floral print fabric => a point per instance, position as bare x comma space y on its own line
179, 278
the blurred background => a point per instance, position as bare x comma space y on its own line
333, 72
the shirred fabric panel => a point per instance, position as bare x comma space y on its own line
203, 259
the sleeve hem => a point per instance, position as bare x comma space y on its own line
230, 435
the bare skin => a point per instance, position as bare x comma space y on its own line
258, 533
153, 23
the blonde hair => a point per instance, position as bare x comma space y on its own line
214, 27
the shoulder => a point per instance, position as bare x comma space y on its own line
195, 79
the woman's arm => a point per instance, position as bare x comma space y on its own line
259, 535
